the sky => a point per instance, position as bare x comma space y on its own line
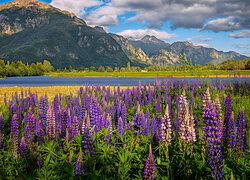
220, 24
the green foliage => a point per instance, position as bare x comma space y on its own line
20, 69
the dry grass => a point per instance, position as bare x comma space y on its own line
51, 91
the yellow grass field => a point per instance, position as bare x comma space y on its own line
51, 91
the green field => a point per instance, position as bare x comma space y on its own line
205, 73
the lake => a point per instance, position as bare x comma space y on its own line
36, 81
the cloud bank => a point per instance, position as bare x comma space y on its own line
211, 15
140, 33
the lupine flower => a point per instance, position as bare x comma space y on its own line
214, 142
217, 107
1, 129
139, 121
39, 130
39, 161
241, 139
23, 147
124, 115
88, 141
51, 124
120, 128
147, 117
79, 166
64, 121
231, 133
182, 112
187, 130
29, 128
14, 131
166, 132
227, 115
149, 169
75, 127
206, 99
196, 126
158, 104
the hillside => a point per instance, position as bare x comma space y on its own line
32, 31
162, 53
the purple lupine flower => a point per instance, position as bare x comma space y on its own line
88, 141
158, 104
23, 147
150, 96
231, 133
148, 123
79, 166
42, 111
75, 127
154, 126
1, 129
186, 128
182, 112
14, 131
149, 169
227, 116
29, 127
139, 121
196, 126
139, 94
51, 124
120, 128
64, 122
206, 99
217, 107
130, 126
213, 138
124, 115
39, 130
91, 112
241, 139
166, 132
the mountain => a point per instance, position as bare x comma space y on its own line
136, 55
149, 44
198, 54
162, 53
32, 31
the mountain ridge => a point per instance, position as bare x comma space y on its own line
30, 32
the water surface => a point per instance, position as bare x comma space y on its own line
42, 81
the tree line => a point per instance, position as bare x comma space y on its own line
185, 65
11, 69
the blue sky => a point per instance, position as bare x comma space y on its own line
221, 24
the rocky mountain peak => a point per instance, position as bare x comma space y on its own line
26, 3
152, 39
99, 29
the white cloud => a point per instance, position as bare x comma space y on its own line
223, 24
203, 44
199, 39
242, 46
244, 34
226, 15
75, 6
140, 33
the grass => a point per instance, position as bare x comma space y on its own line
51, 91
205, 73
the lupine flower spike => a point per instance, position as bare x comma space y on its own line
149, 170
79, 166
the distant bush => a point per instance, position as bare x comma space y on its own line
19, 69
